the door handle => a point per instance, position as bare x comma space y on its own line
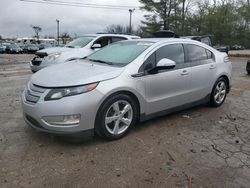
184, 72
212, 67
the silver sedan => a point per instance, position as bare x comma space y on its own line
123, 83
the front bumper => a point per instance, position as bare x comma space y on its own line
84, 104
35, 125
36, 66
37, 63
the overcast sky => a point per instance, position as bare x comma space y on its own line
16, 17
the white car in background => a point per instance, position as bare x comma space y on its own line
76, 49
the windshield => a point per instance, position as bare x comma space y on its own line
80, 42
120, 54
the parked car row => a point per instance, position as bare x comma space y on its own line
104, 84
19, 48
13, 48
237, 47
2, 48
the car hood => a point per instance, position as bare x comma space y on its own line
74, 53
74, 73
55, 50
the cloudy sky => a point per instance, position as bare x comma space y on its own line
17, 16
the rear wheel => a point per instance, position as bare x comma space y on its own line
219, 92
116, 117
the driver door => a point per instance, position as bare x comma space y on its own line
167, 88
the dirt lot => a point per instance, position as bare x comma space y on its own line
200, 147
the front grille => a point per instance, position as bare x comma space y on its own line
41, 54
33, 93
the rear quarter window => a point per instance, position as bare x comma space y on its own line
195, 53
210, 55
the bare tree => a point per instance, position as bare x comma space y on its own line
37, 30
65, 37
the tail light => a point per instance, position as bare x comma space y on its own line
226, 59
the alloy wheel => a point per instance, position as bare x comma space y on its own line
118, 117
220, 92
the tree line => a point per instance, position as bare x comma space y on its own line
227, 20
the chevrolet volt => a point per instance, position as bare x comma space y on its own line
129, 81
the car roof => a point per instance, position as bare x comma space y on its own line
159, 41
162, 40
110, 34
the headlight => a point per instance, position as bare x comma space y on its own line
59, 93
54, 56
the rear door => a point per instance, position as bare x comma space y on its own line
202, 64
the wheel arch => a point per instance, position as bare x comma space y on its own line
227, 80
126, 92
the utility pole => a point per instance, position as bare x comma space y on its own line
57, 21
183, 16
130, 19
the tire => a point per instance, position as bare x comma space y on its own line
248, 71
219, 92
111, 117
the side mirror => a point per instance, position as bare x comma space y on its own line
165, 64
94, 46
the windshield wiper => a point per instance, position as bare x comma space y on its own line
70, 46
100, 61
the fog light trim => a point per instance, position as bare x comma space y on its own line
64, 120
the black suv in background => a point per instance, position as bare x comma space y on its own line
207, 39
248, 67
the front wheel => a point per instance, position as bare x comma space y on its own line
116, 117
219, 92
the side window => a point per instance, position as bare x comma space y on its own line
103, 41
117, 39
174, 52
196, 53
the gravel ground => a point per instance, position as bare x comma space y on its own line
199, 147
